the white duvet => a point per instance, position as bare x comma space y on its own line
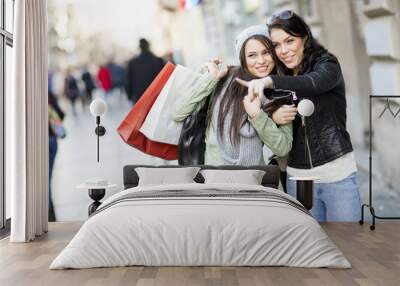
183, 231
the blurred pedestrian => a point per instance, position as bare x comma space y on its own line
50, 76
141, 71
71, 90
104, 77
89, 86
118, 76
56, 130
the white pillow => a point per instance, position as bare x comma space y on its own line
166, 176
248, 177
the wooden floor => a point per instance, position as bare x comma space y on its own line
374, 255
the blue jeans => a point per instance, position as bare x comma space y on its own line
338, 201
53, 146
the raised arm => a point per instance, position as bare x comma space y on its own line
325, 76
196, 97
277, 139
198, 92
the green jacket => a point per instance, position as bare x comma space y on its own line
277, 138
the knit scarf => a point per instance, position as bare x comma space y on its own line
249, 150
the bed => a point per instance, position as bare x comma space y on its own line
201, 223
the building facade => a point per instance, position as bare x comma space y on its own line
380, 21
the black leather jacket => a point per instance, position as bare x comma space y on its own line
326, 127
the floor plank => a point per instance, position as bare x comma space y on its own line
374, 255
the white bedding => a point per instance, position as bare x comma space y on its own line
181, 231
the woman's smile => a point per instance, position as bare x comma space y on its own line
263, 68
287, 59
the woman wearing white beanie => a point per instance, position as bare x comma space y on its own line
237, 129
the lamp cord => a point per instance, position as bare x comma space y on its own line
307, 150
98, 136
98, 145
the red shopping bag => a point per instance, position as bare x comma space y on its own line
130, 126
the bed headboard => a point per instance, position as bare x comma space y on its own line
270, 179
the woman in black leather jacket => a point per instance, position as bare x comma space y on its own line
315, 74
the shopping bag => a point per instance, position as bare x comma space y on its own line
129, 129
159, 125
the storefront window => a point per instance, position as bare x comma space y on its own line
9, 13
6, 41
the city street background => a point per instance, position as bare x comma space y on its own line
84, 35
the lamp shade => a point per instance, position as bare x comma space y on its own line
98, 107
305, 107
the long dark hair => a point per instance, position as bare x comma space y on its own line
295, 26
232, 100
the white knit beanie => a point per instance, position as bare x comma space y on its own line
247, 33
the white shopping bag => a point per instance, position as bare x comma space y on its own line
159, 125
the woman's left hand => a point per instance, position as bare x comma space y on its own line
252, 105
284, 114
256, 86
